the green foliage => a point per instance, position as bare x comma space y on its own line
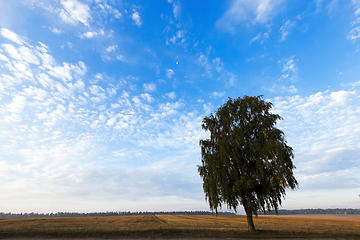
246, 160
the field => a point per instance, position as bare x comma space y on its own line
182, 226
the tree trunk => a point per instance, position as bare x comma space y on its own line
249, 218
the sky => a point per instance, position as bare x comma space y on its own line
101, 101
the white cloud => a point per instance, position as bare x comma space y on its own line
147, 97
3, 58
218, 64
8, 81
204, 61
171, 95
37, 93
176, 9
256, 38
28, 55
112, 90
353, 84
108, 9
111, 121
356, 4
255, 11
167, 109
47, 117
24, 56
136, 17
215, 67
170, 107
180, 35
47, 60
291, 89
21, 70
354, 33
111, 48
120, 58
42, 48
231, 78
149, 87
208, 108
289, 71
9, 48
330, 181
98, 92
99, 76
169, 73
136, 100
276, 88
74, 12
217, 95
289, 66
286, 28
323, 129
17, 105
6, 33
115, 105
289, 75
92, 34
260, 37
67, 71
22, 53
57, 31
58, 147
341, 97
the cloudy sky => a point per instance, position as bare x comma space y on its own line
101, 101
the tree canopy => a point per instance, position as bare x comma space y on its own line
247, 160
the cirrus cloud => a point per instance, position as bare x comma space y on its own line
324, 131
73, 12
254, 11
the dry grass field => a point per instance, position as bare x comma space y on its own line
182, 226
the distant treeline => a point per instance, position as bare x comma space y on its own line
314, 211
102, 214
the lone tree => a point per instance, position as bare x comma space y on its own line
246, 161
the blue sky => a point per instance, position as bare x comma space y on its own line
101, 101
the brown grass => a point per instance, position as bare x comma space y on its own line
175, 226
